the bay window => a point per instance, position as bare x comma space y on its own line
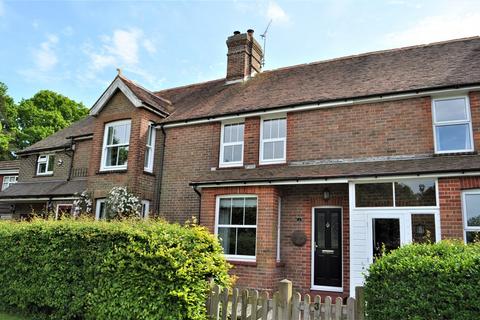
452, 125
237, 226
115, 145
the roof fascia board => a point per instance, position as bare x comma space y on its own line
116, 84
41, 150
300, 181
8, 171
27, 199
305, 107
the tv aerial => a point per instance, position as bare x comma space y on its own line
264, 37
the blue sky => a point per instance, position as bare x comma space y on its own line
74, 47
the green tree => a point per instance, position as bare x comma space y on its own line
44, 114
8, 127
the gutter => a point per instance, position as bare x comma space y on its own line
329, 104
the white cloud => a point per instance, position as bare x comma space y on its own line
124, 45
276, 13
149, 46
45, 57
445, 26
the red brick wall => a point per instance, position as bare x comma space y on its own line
450, 194
264, 273
139, 182
475, 112
251, 141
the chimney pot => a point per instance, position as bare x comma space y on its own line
236, 32
250, 31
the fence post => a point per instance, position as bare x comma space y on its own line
285, 299
360, 303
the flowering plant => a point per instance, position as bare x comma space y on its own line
122, 204
83, 203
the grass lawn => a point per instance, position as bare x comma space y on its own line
4, 316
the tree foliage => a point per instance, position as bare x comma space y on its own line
34, 119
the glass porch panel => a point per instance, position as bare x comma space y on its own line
386, 235
415, 193
374, 195
423, 228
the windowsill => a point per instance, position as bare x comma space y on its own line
149, 173
249, 263
43, 175
272, 163
455, 153
233, 166
112, 171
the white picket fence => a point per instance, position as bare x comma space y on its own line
236, 304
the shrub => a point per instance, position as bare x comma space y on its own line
115, 270
425, 281
122, 204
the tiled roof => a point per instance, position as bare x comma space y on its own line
410, 69
44, 189
61, 138
9, 164
147, 97
432, 164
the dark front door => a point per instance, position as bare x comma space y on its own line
328, 247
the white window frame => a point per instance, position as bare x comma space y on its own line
63, 205
452, 122
103, 167
146, 205
263, 141
223, 144
150, 148
6, 184
97, 207
45, 158
232, 257
466, 228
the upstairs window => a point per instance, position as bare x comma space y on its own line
8, 180
45, 164
452, 125
273, 141
231, 149
115, 145
150, 149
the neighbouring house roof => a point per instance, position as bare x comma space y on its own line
138, 96
437, 65
43, 189
9, 165
61, 139
424, 165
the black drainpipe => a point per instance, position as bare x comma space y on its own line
158, 194
199, 202
72, 148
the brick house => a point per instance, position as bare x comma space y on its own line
304, 172
8, 177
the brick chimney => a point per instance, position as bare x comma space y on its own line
244, 57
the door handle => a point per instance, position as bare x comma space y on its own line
328, 251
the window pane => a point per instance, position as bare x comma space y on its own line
224, 211
246, 241
227, 133
234, 133
472, 208
473, 236
240, 132
228, 154
146, 163
374, 195
250, 211
102, 214
423, 228
237, 153
274, 124
122, 156
451, 110
51, 163
111, 159
121, 134
268, 150
282, 128
386, 236
334, 230
412, 193
279, 150
266, 129
227, 237
454, 137
42, 167
237, 210
110, 135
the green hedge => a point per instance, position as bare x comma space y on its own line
100, 270
425, 281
